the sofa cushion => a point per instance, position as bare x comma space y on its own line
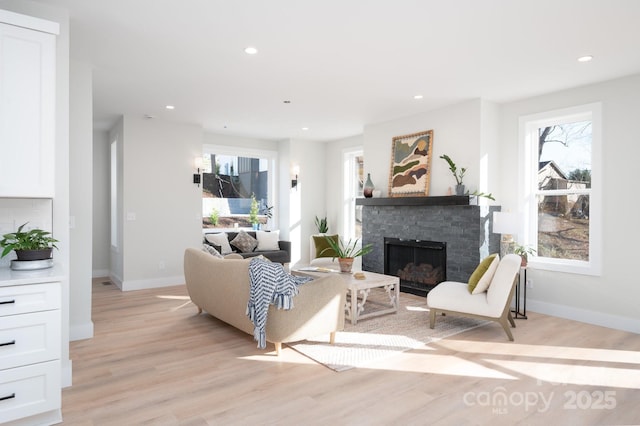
212, 251
482, 276
323, 249
268, 240
220, 239
244, 242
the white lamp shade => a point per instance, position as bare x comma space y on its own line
505, 223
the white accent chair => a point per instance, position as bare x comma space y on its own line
452, 297
329, 262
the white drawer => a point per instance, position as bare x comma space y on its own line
26, 391
29, 338
21, 299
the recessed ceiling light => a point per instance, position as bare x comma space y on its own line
417, 97
170, 107
305, 128
286, 102
585, 58
250, 50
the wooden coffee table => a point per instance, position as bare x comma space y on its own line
358, 293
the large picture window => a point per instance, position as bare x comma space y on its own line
353, 161
560, 183
237, 188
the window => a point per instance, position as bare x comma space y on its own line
354, 183
561, 201
114, 194
231, 179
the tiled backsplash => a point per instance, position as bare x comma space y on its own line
38, 212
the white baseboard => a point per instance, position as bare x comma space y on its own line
81, 331
99, 273
151, 283
583, 315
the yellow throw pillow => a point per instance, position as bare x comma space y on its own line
321, 244
481, 278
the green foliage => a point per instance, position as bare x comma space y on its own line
35, 239
267, 211
253, 211
524, 251
347, 250
458, 175
482, 194
322, 225
214, 216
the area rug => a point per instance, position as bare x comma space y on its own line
383, 336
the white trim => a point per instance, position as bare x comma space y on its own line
152, 283
527, 151
100, 273
81, 332
349, 190
29, 22
583, 315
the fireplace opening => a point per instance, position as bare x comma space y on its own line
420, 265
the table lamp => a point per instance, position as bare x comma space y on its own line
505, 223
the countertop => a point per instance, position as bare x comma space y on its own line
9, 277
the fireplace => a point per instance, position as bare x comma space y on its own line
420, 265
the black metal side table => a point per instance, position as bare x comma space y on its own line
522, 276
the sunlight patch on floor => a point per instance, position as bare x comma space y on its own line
421, 362
545, 351
171, 297
574, 374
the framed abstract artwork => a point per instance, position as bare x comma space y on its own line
411, 164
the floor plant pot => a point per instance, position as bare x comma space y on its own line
345, 263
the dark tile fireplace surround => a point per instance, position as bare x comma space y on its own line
464, 229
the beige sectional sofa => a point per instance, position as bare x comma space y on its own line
220, 287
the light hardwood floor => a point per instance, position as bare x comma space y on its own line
153, 360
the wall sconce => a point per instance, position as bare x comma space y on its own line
196, 176
294, 179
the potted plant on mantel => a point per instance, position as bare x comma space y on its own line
457, 174
34, 244
346, 252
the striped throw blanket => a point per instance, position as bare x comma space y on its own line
269, 285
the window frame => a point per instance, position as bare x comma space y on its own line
350, 191
528, 187
270, 156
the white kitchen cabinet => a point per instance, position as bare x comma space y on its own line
27, 106
30, 348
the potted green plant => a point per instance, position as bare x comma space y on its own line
524, 252
457, 174
347, 252
34, 244
322, 225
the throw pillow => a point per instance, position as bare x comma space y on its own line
212, 251
245, 242
481, 278
220, 239
268, 241
323, 249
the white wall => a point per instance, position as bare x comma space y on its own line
335, 181
116, 250
609, 299
101, 204
80, 199
456, 132
162, 206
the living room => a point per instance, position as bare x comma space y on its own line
160, 207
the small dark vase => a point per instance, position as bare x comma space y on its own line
460, 189
368, 187
34, 254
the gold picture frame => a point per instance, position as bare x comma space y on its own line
410, 172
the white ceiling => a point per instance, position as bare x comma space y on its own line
341, 63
